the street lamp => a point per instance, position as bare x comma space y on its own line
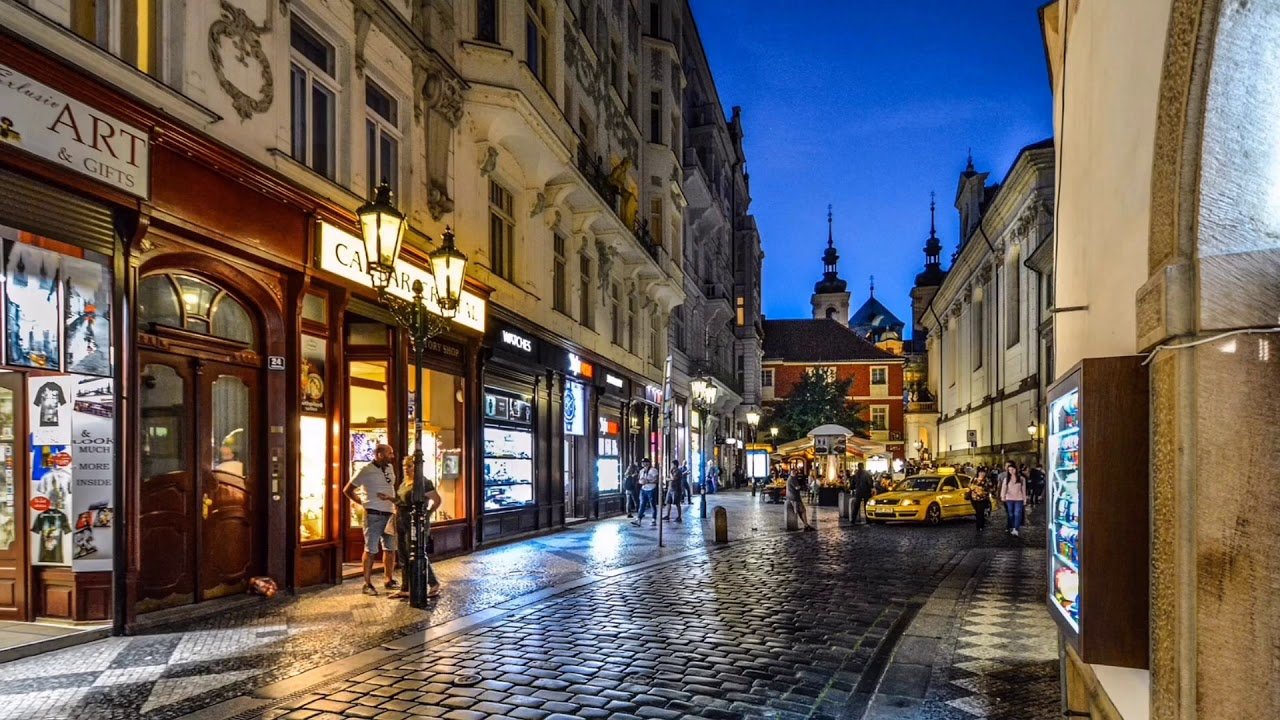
753, 419
382, 227
704, 399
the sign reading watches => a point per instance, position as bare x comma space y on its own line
342, 253
49, 124
516, 341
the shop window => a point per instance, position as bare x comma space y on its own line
535, 24
508, 451
313, 87
442, 440
559, 279
487, 20
8, 513
382, 137
609, 455
313, 496
185, 302
501, 232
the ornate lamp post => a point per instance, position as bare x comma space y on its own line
704, 393
382, 227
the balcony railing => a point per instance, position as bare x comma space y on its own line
597, 175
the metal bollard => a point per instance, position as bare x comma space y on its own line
722, 525
793, 520
842, 505
703, 509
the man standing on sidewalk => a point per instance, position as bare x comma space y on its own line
648, 491
377, 481
675, 492
861, 492
795, 497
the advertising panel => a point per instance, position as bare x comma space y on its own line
93, 473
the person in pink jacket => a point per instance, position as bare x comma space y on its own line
1013, 493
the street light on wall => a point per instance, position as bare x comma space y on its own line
382, 227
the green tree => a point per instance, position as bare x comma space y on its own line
816, 400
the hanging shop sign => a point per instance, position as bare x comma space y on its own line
653, 394
580, 368
342, 254
50, 125
614, 381
575, 408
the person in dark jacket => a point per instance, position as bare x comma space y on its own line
980, 497
862, 487
631, 489
675, 492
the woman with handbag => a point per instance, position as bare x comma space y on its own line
403, 522
980, 496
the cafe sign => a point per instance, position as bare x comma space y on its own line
48, 124
342, 254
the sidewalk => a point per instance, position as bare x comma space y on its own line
171, 670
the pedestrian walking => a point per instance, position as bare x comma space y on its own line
980, 497
648, 491
631, 489
675, 492
374, 489
862, 487
1035, 485
1013, 493
795, 497
686, 479
739, 478
404, 522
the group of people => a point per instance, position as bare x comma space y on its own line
1016, 488
387, 499
642, 482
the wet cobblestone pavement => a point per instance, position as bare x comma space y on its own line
775, 625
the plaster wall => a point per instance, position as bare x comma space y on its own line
1104, 125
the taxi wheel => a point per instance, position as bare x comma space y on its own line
933, 515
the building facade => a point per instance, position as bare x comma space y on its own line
221, 336
796, 347
1166, 235
982, 324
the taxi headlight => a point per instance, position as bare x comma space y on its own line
908, 502
871, 502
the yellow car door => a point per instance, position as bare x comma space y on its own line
948, 491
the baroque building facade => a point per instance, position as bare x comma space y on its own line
982, 324
215, 154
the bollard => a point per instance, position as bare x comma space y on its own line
722, 524
793, 520
703, 509
842, 505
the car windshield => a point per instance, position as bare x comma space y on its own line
920, 484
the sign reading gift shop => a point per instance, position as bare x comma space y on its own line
50, 125
342, 254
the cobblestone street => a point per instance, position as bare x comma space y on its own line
597, 621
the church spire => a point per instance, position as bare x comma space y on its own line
933, 206
830, 282
932, 274
873, 286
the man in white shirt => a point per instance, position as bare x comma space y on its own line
377, 482
648, 491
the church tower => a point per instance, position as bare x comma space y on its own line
830, 294
929, 281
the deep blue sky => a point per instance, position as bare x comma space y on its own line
870, 105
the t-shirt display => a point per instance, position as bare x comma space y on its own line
50, 527
508, 451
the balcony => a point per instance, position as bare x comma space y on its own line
597, 176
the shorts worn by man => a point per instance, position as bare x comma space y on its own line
377, 481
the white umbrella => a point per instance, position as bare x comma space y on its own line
830, 430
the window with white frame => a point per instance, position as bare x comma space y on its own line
827, 373
584, 291
535, 33
382, 137
879, 417
880, 375
615, 314
656, 220
655, 340
313, 89
979, 320
1013, 291
633, 324
766, 378
502, 228
128, 29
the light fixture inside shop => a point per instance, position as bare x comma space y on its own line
382, 227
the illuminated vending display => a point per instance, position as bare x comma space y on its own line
1096, 510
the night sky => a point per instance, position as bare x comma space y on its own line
869, 106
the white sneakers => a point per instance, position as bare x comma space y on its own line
1014, 532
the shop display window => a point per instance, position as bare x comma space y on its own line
313, 495
367, 387
441, 439
608, 456
8, 509
508, 451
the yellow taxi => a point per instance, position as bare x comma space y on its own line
928, 498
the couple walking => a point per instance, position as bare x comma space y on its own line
1010, 489
648, 480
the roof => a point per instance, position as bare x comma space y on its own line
823, 340
873, 314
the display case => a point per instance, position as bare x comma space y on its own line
1097, 510
313, 485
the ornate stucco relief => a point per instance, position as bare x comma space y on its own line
246, 42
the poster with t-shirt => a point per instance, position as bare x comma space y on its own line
93, 476
50, 505
50, 399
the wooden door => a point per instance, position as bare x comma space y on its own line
200, 480
229, 477
167, 521
13, 502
